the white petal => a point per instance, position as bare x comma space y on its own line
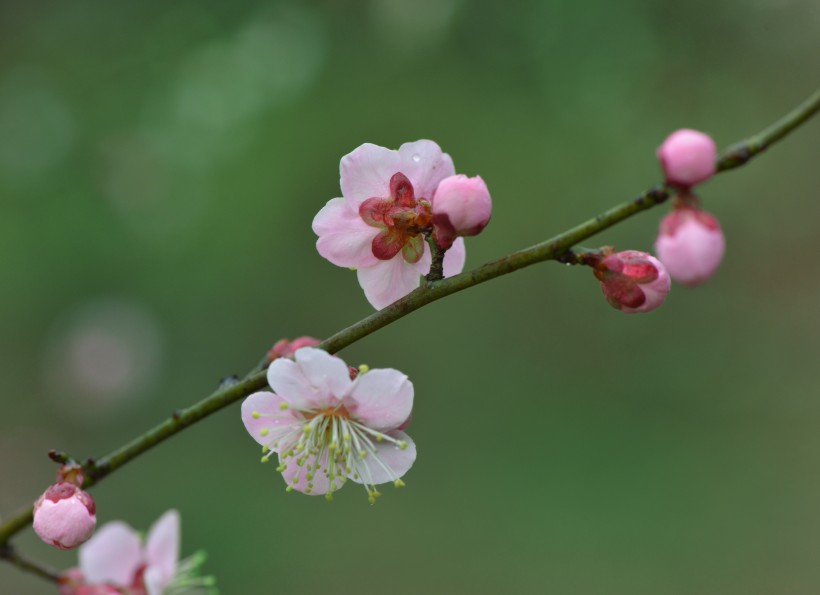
366, 172
381, 399
397, 459
162, 546
289, 382
112, 555
387, 281
344, 238
425, 165
454, 258
327, 373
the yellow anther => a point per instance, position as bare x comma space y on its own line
371, 499
266, 458
333, 446
281, 468
307, 429
364, 368
307, 491
289, 489
379, 437
309, 476
403, 444
399, 483
264, 432
352, 268
255, 414
300, 447
329, 496
362, 454
283, 405
346, 437
265, 449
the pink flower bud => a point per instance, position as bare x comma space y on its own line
461, 207
633, 281
690, 244
687, 157
64, 516
286, 348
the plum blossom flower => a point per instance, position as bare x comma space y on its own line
462, 207
690, 244
115, 561
378, 225
633, 281
326, 428
64, 516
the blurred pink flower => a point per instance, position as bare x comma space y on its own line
633, 281
64, 516
690, 244
327, 428
376, 228
115, 561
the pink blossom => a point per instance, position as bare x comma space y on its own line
633, 281
687, 157
378, 226
64, 516
690, 244
326, 428
461, 207
116, 561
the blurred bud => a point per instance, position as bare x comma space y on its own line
286, 347
690, 244
461, 207
64, 516
687, 157
633, 281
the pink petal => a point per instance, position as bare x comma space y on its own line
162, 547
319, 482
389, 280
381, 399
454, 258
112, 555
425, 165
399, 460
263, 427
327, 373
366, 172
289, 382
344, 238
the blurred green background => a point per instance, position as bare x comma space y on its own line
160, 164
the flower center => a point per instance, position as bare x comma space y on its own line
329, 441
401, 218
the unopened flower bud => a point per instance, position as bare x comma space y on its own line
461, 207
687, 157
690, 244
64, 516
286, 347
633, 281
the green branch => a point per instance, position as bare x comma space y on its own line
11, 555
551, 249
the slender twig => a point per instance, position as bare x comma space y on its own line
549, 250
8, 553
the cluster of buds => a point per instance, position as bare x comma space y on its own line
690, 241
65, 515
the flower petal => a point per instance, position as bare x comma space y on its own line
262, 415
344, 238
289, 382
366, 172
319, 482
397, 459
153, 580
454, 258
425, 165
112, 555
381, 399
389, 280
162, 547
328, 374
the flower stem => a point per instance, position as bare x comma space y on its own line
551, 249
